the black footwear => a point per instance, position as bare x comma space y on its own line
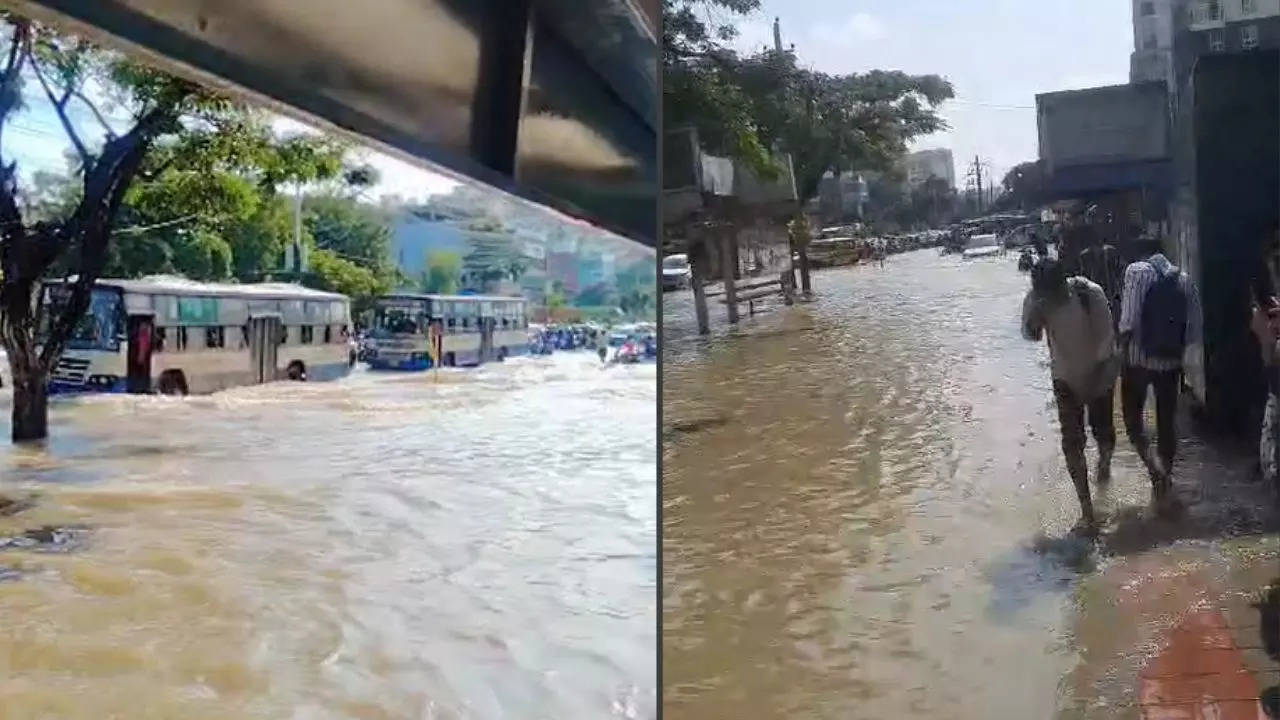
1102, 474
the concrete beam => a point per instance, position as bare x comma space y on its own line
551, 100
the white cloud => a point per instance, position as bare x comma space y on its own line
866, 27
859, 26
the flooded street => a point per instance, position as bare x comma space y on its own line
385, 546
866, 515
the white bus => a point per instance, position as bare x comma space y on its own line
176, 336
471, 330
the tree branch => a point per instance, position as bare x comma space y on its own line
60, 107
104, 188
110, 133
139, 229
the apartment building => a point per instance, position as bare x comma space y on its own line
1234, 25
1155, 25
937, 162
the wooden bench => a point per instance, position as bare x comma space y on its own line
751, 292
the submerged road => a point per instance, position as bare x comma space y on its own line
385, 546
866, 515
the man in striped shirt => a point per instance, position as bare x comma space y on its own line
1153, 289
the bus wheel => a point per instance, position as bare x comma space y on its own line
296, 371
172, 382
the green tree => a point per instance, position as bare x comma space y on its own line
258, 239
1024, 188
557, 299
329, 271
596, 295
745, 107
350, 229
444, 270
701, 79
79, 239
193, 179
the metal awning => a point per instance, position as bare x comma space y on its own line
1078, 181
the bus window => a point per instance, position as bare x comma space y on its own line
213, 337
453, 322
328, 334
284, 335
466, 323
157, 339
244, 336
307, 333
181, 339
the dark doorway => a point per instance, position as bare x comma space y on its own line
138, 373
1237, 137
264, 340
486, 339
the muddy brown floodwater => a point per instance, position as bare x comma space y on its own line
379, 547
866, 515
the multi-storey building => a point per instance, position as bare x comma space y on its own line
1154, 26
924, 164
1233, 25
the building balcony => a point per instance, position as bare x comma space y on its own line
1206, 15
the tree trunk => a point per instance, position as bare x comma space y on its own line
727, 267
699, 292
30, 403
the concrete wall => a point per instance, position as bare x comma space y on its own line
1117, 124
1151, 66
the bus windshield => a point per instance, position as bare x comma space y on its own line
101, 327
398, 319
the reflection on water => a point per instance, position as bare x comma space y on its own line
866, 514
382, 547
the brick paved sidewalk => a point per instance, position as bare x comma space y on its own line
1214, 667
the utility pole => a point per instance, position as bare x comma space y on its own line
977, 172
983, 196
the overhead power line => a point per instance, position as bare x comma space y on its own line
994, 106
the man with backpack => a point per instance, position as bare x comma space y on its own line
1159, 320
1077, 318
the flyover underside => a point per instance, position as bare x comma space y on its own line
551, 100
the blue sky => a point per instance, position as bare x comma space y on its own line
997, 53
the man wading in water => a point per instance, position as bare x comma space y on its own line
1159, 320
1077, 317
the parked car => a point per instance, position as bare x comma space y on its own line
676, 273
